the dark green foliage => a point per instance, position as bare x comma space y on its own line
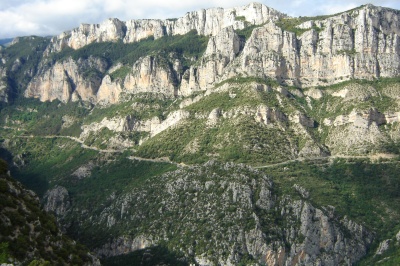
158, 255
32, 235
357, 188
184, 46
347, 52
3, 167
48, 159
251, 142
289, 24
4, 252
119, 176
44, 118
246, 32
121, 73
240, 18
39, 263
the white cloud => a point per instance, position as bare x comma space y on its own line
50, 17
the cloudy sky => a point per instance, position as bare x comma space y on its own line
51, 17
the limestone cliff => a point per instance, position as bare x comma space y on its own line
205, 22
359, 44
68, 80
3, 85
151, 74
241, 216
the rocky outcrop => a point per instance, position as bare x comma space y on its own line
383, 247
356, 92
363, 119
302, 119
240, 218
314, 93
221, 50
108, 92
205, 22
57, 201
3, 85
151, 74
271, 52
172, 119
115, 124
358, 132
68, 80
125, 244
268, 115
84, 170
130, 123
359, 44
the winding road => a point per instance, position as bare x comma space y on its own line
167, 160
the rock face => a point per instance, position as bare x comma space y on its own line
205, 22
241, 216
108, 92
3, 85
57, 201
124, 244
68, 81
358, 132
153, 126
150, 75
359, 44
221, 50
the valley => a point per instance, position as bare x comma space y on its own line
236, 136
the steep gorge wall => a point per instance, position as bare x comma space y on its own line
359, 44
240, 205
205, 22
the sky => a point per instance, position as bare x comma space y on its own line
52, 17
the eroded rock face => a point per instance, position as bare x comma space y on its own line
149, 74
271, 52
221, 50
130, 123
267, 115
359, 44
238, 217
125, 244
205, 22
57, 201
68, 80
355, 47
3, 84
109, 91
359, 131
